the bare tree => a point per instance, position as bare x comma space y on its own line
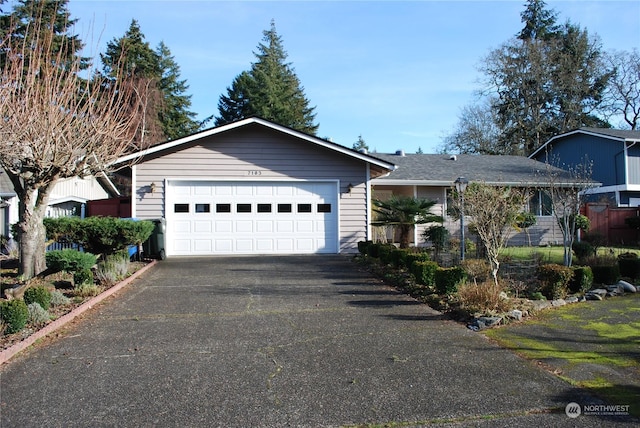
568, 189
493, 210
56, 124
622, 96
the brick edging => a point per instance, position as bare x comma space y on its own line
11, 351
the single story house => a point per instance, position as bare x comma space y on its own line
615, 158
68, 197
256, 187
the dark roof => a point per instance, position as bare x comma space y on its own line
443, 169
6, 186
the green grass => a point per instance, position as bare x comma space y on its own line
554, 254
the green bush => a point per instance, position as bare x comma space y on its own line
384, 253
40, 295
398, 257
113, 268
425, 272
582, 279
447, 279
37, 314
555, 280
606, 274
373, 249
59, 299
629, 265
416, 257
14, 314
69, 260
363, 247
82, 277
583, 249
99, 235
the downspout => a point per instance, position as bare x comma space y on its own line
415, 226
626, 169
368, 196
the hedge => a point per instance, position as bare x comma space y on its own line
447, 279
425, 272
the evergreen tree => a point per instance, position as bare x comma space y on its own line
360, 144
270, 90
175, 117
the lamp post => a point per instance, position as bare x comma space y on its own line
461, 186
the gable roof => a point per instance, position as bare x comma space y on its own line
175, 144
620, 135
443, 169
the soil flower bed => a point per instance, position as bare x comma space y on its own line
61, 282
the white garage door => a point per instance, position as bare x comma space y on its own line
251, 217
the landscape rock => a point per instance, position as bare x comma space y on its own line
503, 295
558, 302
540, 304
627, 287
516, 314
484, 322
599, 291
572, 299
593, 296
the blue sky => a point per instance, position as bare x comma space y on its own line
395, 72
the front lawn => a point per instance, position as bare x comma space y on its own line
554, 254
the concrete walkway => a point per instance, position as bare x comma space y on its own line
305, 341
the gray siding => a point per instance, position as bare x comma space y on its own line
256, 153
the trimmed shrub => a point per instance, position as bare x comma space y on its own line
384, 253
69, 260
40, 295
14, 313
555, 280
447, 279
37, 314
583, 249
582, 279
629, 265
605, 269
477, 269
425, 272
82, 277
398, 257
59, 299
363, 247
412, 258
373, 249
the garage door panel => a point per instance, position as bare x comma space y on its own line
251, 217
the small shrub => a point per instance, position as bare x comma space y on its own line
425, 272
555, 280
40, 295
82, 277
605, 269
629, 265
69, 260
583, 249
384, 253
582, 279
483, 298
416, 257
59, 299
363, 246
14, 314
372, 249
537, 296
477, 269
398, 257
38, 316
87, 290
113, 268
447, 279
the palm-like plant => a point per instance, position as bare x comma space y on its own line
404, 212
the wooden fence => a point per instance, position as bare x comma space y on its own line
609, 223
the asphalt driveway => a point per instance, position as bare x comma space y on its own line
270, 342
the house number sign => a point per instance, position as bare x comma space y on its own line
254, 172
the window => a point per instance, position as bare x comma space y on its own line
540, 203
243, 208
223, 208
324, 208
284, 208
304, 208
264, 208
203, 208
181, 208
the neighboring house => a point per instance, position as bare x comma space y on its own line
68, 197
432, 177
615, 155
255, 187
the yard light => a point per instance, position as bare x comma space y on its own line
461, 186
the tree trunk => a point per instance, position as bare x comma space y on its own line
405, 232
31, 231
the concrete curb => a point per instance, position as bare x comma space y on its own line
10, 352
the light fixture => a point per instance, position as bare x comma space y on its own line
152, 187
461, 185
